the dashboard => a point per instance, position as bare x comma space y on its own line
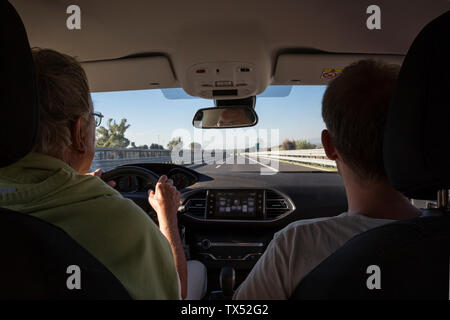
131, 184
230, 218
182, 178
237, 205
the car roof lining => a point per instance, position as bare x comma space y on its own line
182, 31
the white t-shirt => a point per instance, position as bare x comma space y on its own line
296, 250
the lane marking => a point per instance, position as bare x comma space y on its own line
300, 164
218, 166
262, 164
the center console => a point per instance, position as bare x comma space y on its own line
232, 227
232, 204
237, 205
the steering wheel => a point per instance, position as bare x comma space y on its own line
141, 197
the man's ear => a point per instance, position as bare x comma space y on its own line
328, 145
79, 135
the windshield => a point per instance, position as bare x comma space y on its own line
156, 126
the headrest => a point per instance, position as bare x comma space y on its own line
417, 135
19, 110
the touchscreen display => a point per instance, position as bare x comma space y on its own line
236, 204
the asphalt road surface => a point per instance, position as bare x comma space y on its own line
238, 163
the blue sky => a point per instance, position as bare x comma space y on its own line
154, 118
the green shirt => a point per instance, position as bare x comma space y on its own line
113, 229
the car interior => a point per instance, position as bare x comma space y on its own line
229, 54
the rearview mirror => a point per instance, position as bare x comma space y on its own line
225, 117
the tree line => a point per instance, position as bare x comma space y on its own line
296, 145
113, 136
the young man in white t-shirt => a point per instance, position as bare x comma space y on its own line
354, 109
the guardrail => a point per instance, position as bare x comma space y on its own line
109, 158
307, 156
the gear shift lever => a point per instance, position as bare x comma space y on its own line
227, 278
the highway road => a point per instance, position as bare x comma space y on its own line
240, 163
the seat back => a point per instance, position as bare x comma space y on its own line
412, 257
36, 256
40, 261
19, 95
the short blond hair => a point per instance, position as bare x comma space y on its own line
63, 96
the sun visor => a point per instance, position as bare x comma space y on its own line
319, 69
130, 74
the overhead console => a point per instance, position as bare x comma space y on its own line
255, 205
219, 60
223, 80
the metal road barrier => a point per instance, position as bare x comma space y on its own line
109, 158
307, 156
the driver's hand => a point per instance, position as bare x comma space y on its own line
165, 200
98, 173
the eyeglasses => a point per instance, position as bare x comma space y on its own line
98, 118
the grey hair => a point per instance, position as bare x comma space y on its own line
63, 96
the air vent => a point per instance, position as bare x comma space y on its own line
196, 205
276, 204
